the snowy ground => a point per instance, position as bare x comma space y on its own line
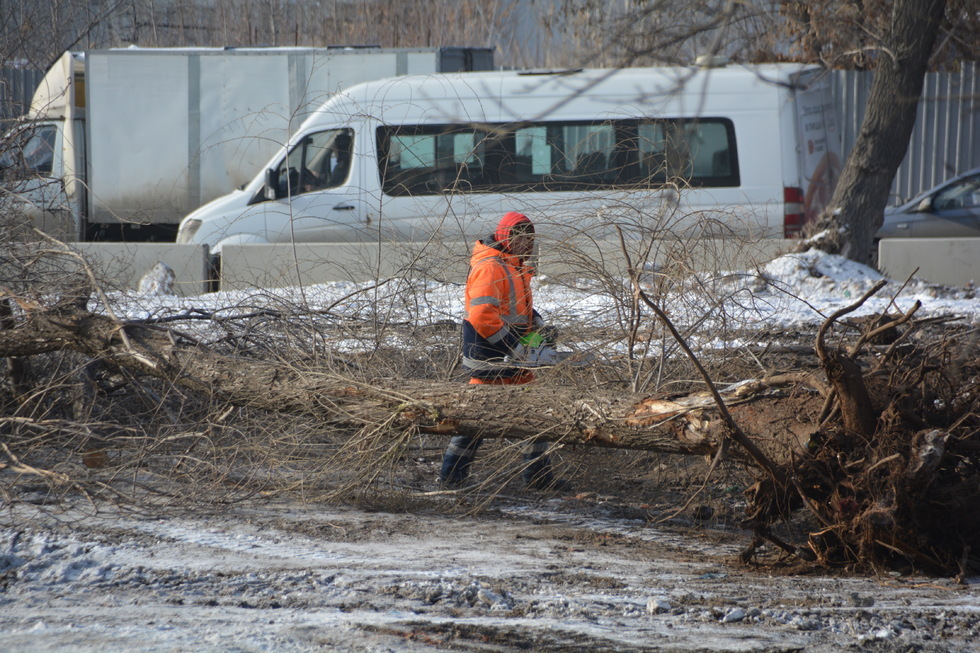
790, 291
547, 573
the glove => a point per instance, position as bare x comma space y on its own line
532, 339
546, 335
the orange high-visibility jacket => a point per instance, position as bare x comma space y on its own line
499, 311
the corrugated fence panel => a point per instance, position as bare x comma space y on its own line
946, 138
16, 89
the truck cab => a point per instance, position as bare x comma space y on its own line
32, 170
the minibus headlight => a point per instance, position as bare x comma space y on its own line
185, 236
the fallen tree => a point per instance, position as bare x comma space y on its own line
889, 474
683, 425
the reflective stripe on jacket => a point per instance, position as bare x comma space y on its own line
499, 311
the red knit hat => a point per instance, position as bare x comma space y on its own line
506, 227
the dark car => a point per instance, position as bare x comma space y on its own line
950, 210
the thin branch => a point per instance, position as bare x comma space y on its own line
733, 430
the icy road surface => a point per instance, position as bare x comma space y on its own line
555, 576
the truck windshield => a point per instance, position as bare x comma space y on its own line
29, 152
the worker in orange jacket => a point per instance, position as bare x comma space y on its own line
499, 315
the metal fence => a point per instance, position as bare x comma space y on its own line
946, 137
17, 86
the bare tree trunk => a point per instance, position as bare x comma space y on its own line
856, 209
857, 410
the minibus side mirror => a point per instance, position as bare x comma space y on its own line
271, 184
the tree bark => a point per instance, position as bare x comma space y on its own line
856, 210
857, 410
16, 368
515, 412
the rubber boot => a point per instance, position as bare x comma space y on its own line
457, 460
537, 474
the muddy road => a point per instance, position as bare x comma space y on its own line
554, 573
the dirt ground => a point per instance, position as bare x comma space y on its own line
422, 570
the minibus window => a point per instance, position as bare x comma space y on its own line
557, 156
532, 145
664, 153
414, 152
585, 159
698, 153
321, 160
425, 160
708, 145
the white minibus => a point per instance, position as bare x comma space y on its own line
735, 149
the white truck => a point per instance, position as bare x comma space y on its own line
121, 144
